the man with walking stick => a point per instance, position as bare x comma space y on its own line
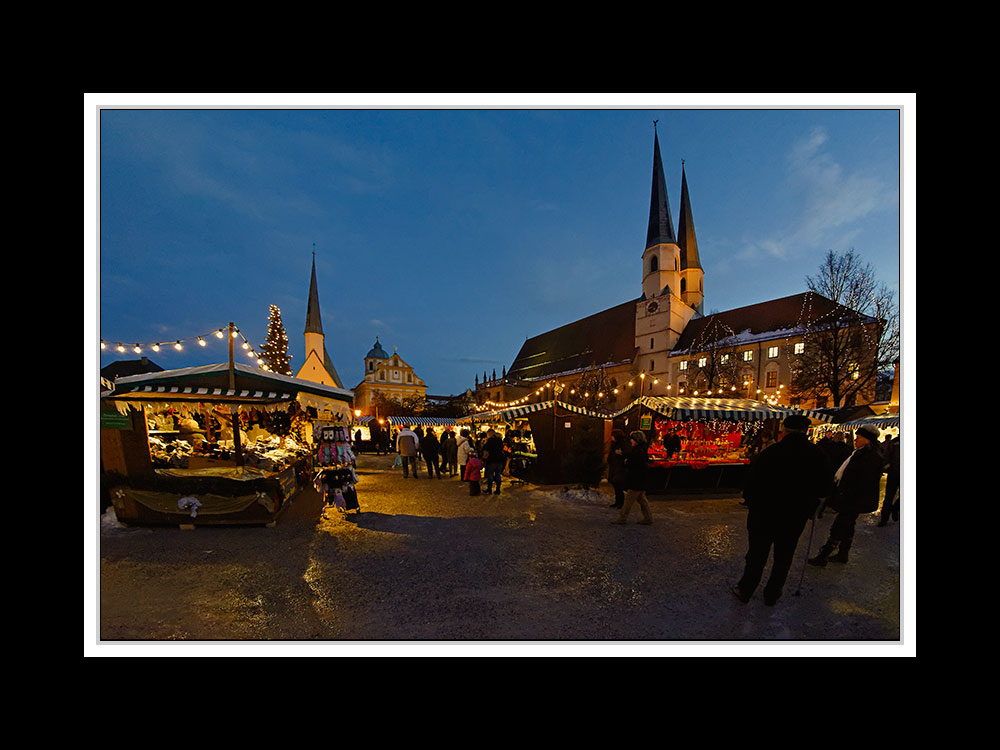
782, 492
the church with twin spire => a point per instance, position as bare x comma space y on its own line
662, 343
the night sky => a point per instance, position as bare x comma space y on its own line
453, 233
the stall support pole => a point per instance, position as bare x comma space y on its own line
234, 411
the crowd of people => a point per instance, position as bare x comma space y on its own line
789, 483
467, 456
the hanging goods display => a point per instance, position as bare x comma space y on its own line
336, 477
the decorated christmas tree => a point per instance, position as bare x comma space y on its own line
274, 351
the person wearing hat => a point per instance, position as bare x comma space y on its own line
782, 491
856, 490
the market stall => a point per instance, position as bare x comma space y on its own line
546, 437
513, 425
214, 444
703, 443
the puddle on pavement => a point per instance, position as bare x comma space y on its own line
716, 541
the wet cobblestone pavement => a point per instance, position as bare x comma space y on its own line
425, 562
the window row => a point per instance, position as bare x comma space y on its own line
772, 353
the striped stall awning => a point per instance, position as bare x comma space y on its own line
516, 412
203, 392
422, 421
880, 421
814, 415
736, 409
505, 415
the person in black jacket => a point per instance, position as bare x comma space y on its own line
430, 449
783, 489
617, 474
856, 491
494, 459
890, 502
635, 479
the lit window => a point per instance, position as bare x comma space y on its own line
748, 355
702, 361
772, 351
799, 348
725, 359
684, 364
772, 379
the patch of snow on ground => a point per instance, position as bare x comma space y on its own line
579, 496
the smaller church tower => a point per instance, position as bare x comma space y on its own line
317, 367
692, 284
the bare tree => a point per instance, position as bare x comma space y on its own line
594, 390
849, 345
717, 365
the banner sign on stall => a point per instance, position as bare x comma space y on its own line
112, 420
646, 422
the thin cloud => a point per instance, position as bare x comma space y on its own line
831, 203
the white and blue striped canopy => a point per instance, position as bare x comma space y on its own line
739, 409
422, 421
880, 421
674, 407
514, 412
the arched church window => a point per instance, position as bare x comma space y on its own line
654, 264
684, 285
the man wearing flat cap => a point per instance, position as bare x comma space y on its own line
783, 490
856, 491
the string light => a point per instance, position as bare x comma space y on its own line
178, 344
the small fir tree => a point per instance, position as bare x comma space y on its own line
275, 349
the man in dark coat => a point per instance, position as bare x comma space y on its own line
856, 491
430, 449
617, 475
890, 502
783, 489
494, 459
636, 465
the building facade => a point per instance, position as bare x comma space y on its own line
663, 344
389, 377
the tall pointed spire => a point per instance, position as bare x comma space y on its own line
686, 239
313, 322
661, 228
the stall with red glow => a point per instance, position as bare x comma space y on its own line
703, 443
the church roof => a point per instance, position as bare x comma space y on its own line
661, 227
686, 239
602, 338
764, 321
328, 365
313, 322
377, 352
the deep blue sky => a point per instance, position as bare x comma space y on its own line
454, 234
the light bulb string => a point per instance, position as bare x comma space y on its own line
178, 344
